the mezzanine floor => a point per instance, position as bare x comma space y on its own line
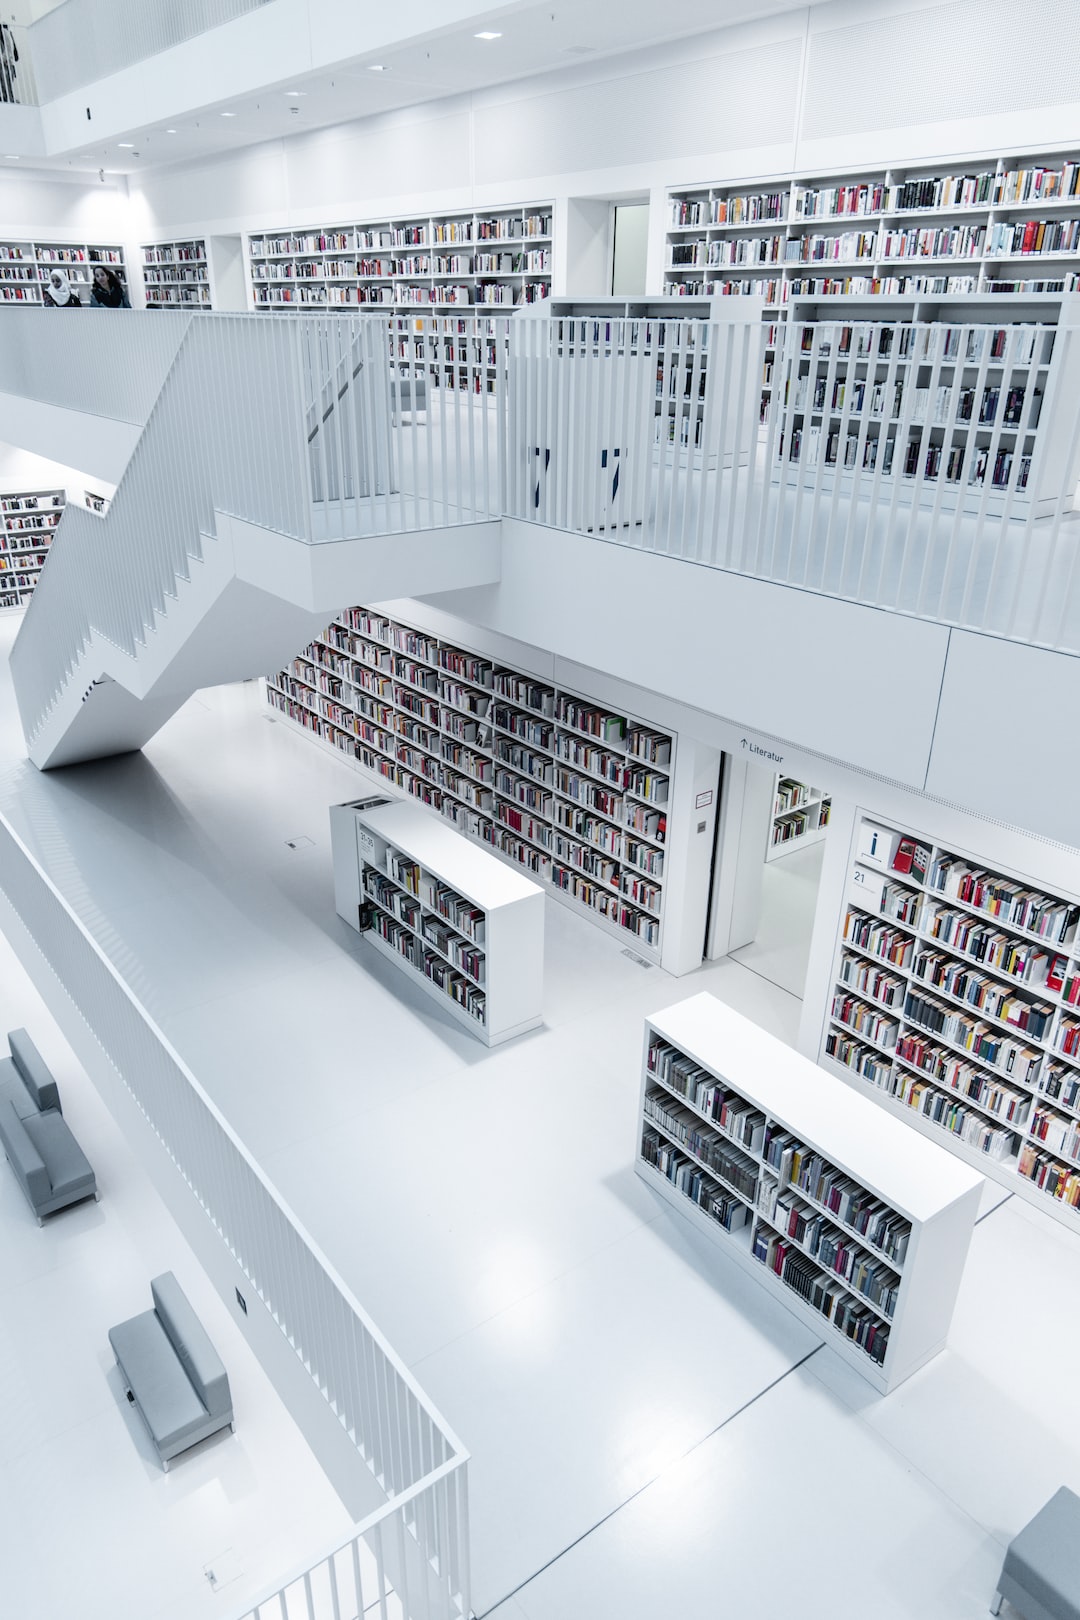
649, 1433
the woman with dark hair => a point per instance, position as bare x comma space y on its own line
107, 289
59, 293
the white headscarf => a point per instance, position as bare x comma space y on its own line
59, 287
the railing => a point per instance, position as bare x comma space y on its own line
417, 1546
928, 469
353, 1579
80, 42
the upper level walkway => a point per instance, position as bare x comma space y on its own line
285, 466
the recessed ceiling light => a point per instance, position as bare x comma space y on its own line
377, 67
12, 157
487, 34
228, 115
170, 132
296, 92
125, 143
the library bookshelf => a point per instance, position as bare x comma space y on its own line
176, 275
29, 522
25, 266
955, 1004
1006, 225
859, 1227
448, 914
542, 776
498, 259
800, 816
953, 399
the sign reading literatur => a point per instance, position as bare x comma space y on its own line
756, 749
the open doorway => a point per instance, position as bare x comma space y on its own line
607, 243
630, 249
767, 872
227, 283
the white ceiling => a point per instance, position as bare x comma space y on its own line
534, 39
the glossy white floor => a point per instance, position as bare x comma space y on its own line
650, 1435
91, 1525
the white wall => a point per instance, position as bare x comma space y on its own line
844, 83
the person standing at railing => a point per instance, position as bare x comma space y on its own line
107, 291
9, 55
59, 293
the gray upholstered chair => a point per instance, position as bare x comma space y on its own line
1041, 1573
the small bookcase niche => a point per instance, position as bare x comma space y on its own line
860, 1228
576, 794
176, 275
448, 914
29, 523
800, 816
955, 1004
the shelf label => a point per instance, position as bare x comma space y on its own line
702, 801
365, 841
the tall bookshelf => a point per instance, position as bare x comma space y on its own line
955, 1003
25, 266
447, 914
573, 793
494, 259
1010, 225
176, 275
800, 816
856, 1226
29, 522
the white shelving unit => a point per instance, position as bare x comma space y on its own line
25, 266
449, 914
953, 397
800, 816
576, 794
859, 1227
985, 226
176, 275
27, 524
498, 259
956, 1006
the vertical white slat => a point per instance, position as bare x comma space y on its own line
934, 347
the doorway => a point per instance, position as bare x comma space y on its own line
228, 288
767, 872
630, 249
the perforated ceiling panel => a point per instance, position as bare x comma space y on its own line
930, 64
719, 103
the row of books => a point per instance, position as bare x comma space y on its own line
453, 983
952, 402
957, 1074
1016, 958
1004, 898
963, 982
872, 981
835, 1252
1033, 236
1060, 1181
823, 1293
953, 1116
983, 188
729, 1212
1055, 1132
803, 1167
735, 1116
991, 1045
878, 938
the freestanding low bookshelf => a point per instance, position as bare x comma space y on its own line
858, 1226
452, 916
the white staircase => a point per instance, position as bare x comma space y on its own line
264, 493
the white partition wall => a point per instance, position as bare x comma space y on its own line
859, 1227
470, 931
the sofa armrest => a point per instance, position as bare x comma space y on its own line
34, 1071
24, 1157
